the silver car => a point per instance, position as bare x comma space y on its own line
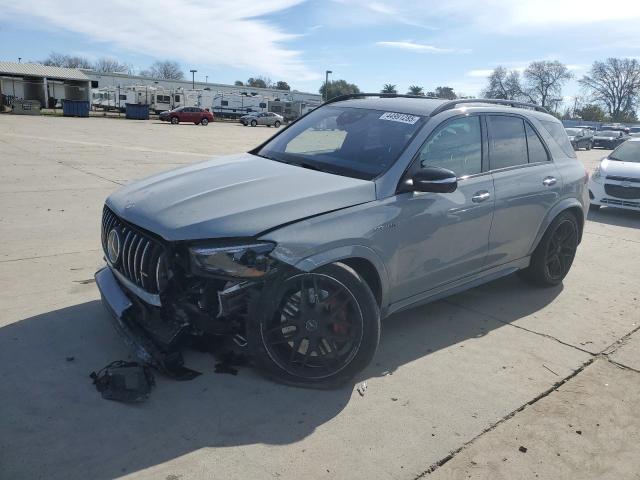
367, 206
264, 118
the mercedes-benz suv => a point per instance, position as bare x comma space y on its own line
366, 206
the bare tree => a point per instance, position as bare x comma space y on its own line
615, 84
111, 65
543, 81
259, 82
67, 61
503, 84
166, 70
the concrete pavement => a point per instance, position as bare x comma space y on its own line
467, 374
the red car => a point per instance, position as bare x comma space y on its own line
196, 115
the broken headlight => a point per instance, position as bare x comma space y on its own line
249, 260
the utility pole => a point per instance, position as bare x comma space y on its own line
326, 85
193, 79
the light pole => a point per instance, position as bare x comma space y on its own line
193, 79
19, 59
326, 85
206, 79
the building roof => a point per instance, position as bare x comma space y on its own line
39, 70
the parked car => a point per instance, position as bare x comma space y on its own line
609, 138
616, 180
616, 127
197, 115
264, 118
367, 206
634, 131
580, 138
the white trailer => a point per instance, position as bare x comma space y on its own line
236, 105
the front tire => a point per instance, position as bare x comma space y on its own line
314, 329
175, 121
554, 255
253, 123
204, 122
277, 124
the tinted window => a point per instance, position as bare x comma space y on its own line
537, 152
507, 142
176, 98
455, 145
556, 130
356, 142
627, 152
224, 103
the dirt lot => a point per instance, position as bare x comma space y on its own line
516, 382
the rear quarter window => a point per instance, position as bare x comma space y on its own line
559, 134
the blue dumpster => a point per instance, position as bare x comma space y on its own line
137, 112
75, 108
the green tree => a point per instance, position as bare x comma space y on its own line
238, 83
415, 90
443, 92
388, 88
591, 113
335, 88
282, 85
259, 82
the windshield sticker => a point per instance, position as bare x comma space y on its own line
399, 117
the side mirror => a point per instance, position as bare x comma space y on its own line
433, 179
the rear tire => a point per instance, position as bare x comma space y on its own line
329, 312
589, 146
277, 124
554, 255
254, 123
204, 122
175, 121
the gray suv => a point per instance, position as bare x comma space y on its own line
366, 206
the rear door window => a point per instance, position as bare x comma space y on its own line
557, 131
507, 142
537, 152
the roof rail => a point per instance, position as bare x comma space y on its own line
349, 96
510, 103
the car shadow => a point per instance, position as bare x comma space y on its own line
55, 424
615, 216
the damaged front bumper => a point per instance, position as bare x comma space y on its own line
123, 313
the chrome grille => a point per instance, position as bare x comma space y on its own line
141, 259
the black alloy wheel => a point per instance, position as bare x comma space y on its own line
321, 329
554, 255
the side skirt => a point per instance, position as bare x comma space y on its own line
458, 286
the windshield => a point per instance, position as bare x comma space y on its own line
635, 130
354, 142
608, 133
627, 152
572, 131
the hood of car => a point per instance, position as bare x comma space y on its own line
234, 196
601, 137
617, 168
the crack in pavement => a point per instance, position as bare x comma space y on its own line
493, 317
49, 256
611, 236
89, 173
604, 354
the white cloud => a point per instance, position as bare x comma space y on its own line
419, 47
479, 73
215, 33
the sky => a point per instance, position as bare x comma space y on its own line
428, 43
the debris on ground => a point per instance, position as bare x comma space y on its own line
550, 370
124, 381
70, 359
522, 449
579, 432
362, 388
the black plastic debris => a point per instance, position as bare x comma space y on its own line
522, 449
123, 381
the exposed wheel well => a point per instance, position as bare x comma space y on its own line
369, 273
579, 218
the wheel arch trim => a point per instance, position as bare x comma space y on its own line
571, 204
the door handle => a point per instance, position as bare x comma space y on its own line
548, 181
480, 196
